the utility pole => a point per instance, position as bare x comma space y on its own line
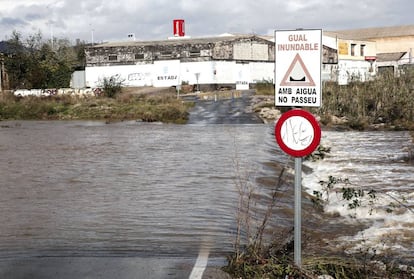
1, 72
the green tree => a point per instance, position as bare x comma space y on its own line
36, 63
16, 61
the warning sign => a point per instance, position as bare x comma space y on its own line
297, 74
298, 68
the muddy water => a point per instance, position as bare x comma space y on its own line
136, 189
87, 188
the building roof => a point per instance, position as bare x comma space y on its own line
393, 56
364, 34
376, 32
181, 41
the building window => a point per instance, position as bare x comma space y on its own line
113, 58
353, 49
195, 52
362, 50
139, 56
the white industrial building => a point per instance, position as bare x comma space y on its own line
235, 60
218, 61
363, 53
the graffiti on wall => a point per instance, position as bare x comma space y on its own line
138, 76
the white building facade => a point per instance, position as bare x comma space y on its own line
219, 61
233, 60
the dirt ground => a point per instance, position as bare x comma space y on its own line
147, 90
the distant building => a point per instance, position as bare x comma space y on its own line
388, 39
218, 61
390, 63
356, 58
242, 60
393, 46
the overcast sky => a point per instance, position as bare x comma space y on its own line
113, 20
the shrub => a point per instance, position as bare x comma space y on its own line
111, 85
265, 87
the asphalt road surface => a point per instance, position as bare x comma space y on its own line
106, 268
224, 111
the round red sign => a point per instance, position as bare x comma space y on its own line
298, 133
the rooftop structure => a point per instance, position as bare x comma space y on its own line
376, 32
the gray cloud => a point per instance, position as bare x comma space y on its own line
152, 20
11, 22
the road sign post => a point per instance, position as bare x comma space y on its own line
298, 134
298, 83
297, 240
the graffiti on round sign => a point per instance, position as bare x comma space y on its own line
297, 132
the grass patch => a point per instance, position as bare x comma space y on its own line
265, 87
165, 108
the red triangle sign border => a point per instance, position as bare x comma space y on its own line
286, 82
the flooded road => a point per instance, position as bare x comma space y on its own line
72, 190
86, 188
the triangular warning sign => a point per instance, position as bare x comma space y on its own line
297, 74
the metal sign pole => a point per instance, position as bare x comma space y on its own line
298, 211
290, 129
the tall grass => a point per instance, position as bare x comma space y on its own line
387, 99
164, 108
265, 87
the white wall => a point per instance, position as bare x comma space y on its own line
137, 75
242, 76
132, 75
262, 71
173, 72
351, 69
166, 73
205, 70
77, 79
331, 42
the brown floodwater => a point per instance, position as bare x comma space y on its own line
81, 188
